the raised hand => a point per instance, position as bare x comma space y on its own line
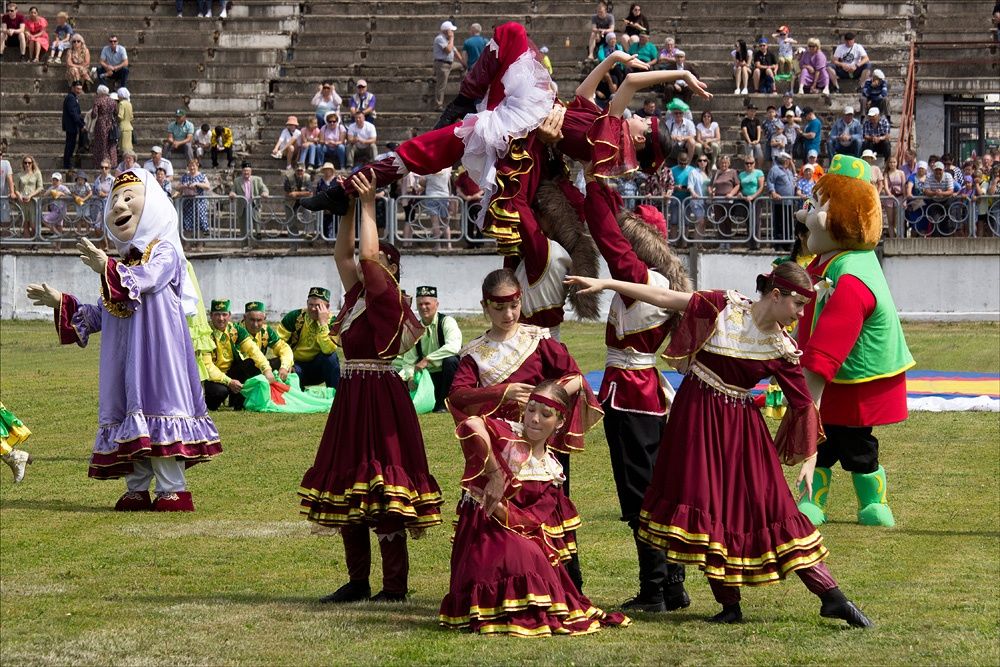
585, 284
365, 187
92, 256
323, 316
43, 295
518, 392
699, 87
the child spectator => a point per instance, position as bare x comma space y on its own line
81, 190
773, 129
786, 56
804, 184
202, 141
222, 142
60, 37
164, 181
311, 146
791, 131
55, 213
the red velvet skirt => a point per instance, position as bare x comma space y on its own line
718, 498
512, 581
371, 464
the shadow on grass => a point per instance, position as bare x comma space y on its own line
53, 506
948, 533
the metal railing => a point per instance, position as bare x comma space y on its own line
444, 223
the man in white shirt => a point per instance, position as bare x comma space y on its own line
438, 185
445, 55
361, 137
850, 61
682, 132
157, 161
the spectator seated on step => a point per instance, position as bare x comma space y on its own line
361, 137
765, 66
643, 47
61, 34
602, 23
222, 142
333, 137
875, 133
683, 134
814, 73
202, 140
287, 143
156, 161
113, 69
297, 185
363, 101
845, 135
180, 136
679, 89
326, 100
12, 31
875, 93
850, 61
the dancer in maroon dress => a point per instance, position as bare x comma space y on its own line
500, 145
498, 370
512, 539
371, 468
718, 498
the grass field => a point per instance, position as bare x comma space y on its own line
237, 581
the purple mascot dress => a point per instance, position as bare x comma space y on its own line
151, 411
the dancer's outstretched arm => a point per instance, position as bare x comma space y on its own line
661, 297
636, 81
343, 250
588, 87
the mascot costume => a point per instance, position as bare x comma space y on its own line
854, 354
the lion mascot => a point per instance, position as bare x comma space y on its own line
854, 354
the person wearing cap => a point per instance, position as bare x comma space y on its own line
473, 46
806, 181
437, 349
157, 161
869, 156
780, 185
601, 23
267, 340
875, 93
287, 141
113, 71
246, 190
445, 56
333, 136
875, 133
308, 332
751, 134
812, 159
361, 137
326, 100
72, 122
679, 89
786, 51
546, 62
791, 129
297, 185
180, 135
327, 179
940, 183
765, 66
55, 212
682, 131
363, 101
850, 61
226, 373
845, 135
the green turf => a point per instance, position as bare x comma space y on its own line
236, 581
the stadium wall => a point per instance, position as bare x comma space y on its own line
926, 285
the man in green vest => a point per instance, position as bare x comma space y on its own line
437, 350
854, 354
225, 372
307, 332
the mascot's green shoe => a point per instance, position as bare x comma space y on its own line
814, 507
873, 502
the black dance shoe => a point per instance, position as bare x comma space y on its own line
675, 597
385, 596
456, 110
645, 601
731, 613
334, 200
352, 591
835, 605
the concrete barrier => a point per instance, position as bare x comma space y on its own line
925, 286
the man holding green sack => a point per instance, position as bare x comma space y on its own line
436, 352
266, 338
226, 374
